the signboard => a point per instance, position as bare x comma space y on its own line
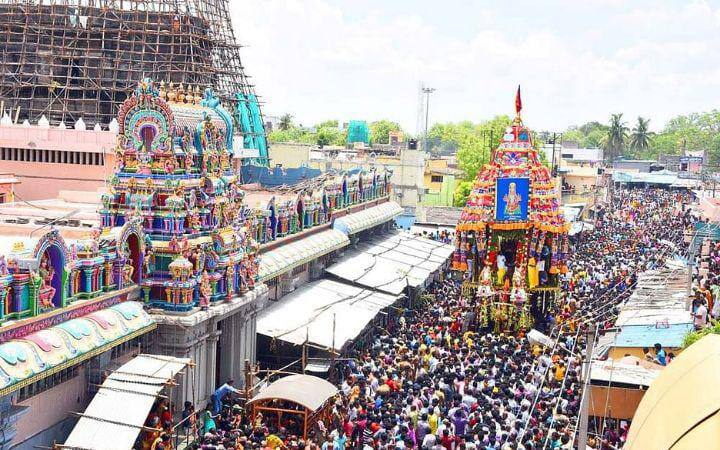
511, 199
691, 163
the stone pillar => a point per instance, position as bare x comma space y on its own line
211, 357
228, 348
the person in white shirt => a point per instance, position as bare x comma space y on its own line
700, 316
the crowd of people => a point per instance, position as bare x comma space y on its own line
437, 382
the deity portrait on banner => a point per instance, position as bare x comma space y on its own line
511, 202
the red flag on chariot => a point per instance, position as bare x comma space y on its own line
518, 101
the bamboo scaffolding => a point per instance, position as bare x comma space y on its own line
67, 59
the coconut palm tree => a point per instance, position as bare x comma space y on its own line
616, 136
285, 122
641, 136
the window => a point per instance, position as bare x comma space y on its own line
436, 178
48, 382
299, 269
51, 156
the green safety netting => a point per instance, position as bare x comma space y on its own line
358, 131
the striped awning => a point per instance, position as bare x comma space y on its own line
45, 352
368, 218
287, 257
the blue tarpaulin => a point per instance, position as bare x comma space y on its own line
648, 335
277, 176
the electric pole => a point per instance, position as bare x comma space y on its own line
583, 424
427, 91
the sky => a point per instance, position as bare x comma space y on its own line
576, 61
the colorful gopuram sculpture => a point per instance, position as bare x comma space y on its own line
175, 178
511, 241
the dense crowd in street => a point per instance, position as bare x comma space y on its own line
436, 382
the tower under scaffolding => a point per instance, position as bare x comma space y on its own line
68, 59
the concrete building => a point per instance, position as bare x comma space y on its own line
45, 163
440, 182
8, 182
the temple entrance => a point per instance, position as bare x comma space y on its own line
508, 256
148, 136
52, 264
134, 258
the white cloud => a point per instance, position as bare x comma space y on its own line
320, 59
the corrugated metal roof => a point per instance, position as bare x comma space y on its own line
647, 335
115, 416
368, 218
289, 256
390, 262
616, 372
307, 313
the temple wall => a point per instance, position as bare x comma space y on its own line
52, 406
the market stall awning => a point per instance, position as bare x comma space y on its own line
368, 218
286, 257
617, 372
117, 413
40, 354
305, 390
308, 312
390, 262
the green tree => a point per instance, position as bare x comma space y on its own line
614, 143
380, 131
286, 122
328, 124
462, 191
329, 135
594, 138
476, 142
641, 137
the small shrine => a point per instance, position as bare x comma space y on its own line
174, 177
511, 241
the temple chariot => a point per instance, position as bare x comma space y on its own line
511, 241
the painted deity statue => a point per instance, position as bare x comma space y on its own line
518, 294
485, 288
47, 291
128, 271
230, 281
205, 290
149, 262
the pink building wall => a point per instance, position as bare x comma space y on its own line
52, 406
42, 180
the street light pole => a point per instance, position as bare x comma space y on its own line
427, 91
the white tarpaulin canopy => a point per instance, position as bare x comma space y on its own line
288, 256
308, 313
117, 413
306, 390
390, 262
368, 218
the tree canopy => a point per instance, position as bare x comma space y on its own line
691, 132
324, 133
473, 143
380, 131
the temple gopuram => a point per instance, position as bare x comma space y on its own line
175, 180
512, 239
